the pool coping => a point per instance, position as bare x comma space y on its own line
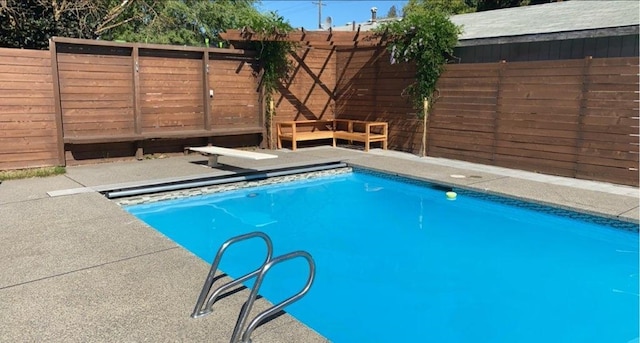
109, 277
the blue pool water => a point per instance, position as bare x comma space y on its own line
398, 262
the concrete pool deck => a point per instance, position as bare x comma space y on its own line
75, 267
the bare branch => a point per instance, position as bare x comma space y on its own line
113, 14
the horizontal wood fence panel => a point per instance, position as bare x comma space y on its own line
467, 106
29, 142
170, 98
82, 74
606, 173
89, 59
518, 72
84, 80
236, 95
16, 105
27, 70
186, 109
610, 158
167, 65
166, 75
309, 93
612, 96
561, 115
554, 80
101, 127
26, 110
159, 79
572, 118
91, 65
11, 61
25, 86
461, 154
547, 166
117, 97
7, 94
28, 130
453, 100
28, 158
69, 83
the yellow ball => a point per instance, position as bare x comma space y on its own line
451, 195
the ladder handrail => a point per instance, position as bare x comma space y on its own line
246, 337
199, 311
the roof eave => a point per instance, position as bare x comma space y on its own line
541, 37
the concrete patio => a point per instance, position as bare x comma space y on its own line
78, 268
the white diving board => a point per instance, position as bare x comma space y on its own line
214, 151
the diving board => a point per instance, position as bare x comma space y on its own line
214, 151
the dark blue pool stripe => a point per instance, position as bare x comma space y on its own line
586, 217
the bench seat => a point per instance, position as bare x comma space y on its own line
359, 136
101, 139
160, 134
308, 136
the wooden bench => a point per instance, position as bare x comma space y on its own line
346, 129
366, 132
304, 130
137, 138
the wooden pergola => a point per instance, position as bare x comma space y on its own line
317, 39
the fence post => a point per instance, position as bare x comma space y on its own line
137, 110
498, 110
582, 114
57, 100
137, 117
207, 94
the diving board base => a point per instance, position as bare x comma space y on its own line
213, 161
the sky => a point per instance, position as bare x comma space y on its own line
301, 13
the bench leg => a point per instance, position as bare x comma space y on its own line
294, 145
279, 143
384, 144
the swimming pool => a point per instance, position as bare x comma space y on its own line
397, 261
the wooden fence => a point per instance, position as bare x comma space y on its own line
576, 118
122, 93
309, 91
28, 129
368, 87
91, 99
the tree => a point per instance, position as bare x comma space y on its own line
446, 6
184, 22
30, 23
392, 12
427, 38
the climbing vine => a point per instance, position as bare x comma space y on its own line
427, 38
273, 63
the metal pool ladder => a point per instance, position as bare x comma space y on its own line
206, 299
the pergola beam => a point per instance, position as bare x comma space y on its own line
310, 38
